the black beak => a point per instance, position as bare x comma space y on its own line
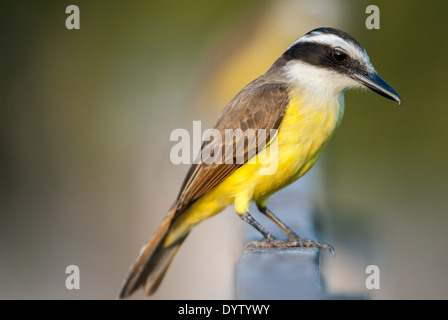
375, 83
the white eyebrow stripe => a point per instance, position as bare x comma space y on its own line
336, 41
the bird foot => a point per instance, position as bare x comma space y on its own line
296, 243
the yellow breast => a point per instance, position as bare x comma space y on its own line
307, 125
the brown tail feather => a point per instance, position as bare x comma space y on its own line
153, 262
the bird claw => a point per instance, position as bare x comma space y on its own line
323, 246
296, 243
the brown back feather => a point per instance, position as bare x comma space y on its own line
260, 105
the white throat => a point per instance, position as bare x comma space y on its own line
320, 82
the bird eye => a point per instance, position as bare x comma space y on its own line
339, 56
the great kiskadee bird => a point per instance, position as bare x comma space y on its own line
301, 97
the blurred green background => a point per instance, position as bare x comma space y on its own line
86, 116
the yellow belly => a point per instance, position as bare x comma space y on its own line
308, 123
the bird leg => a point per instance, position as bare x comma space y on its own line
254, 223
292, 236
294, 239
250, 220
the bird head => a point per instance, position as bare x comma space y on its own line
328, 61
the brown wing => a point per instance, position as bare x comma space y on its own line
259, 105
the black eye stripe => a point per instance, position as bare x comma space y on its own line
318, 54
323, 56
